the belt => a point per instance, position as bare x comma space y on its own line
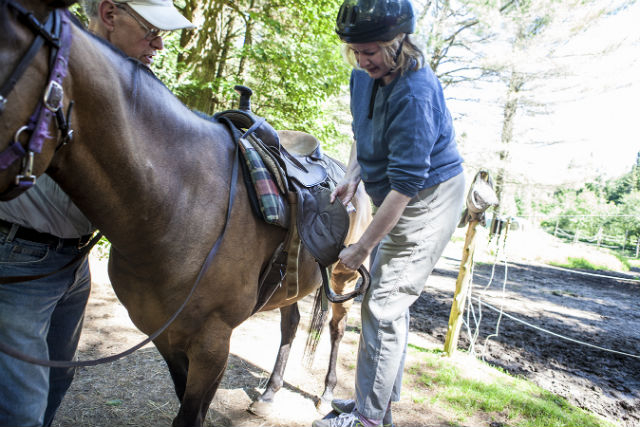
45, 238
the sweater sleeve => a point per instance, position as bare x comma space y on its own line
413, 128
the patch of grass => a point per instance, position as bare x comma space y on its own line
514, 400
456, 239
624, 260
579, 263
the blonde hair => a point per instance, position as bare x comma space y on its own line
410, 57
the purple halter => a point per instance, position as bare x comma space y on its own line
57, 33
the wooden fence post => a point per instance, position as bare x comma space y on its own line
481, 196
599, 236
462, 288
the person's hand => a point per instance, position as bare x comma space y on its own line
344, 191
353, 256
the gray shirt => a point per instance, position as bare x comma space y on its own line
47, 209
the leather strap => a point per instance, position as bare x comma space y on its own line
207, 262
292, 243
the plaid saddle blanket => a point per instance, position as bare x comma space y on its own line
268, 189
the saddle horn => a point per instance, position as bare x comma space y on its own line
245, 97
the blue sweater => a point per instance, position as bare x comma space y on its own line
409, 144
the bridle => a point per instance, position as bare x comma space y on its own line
56, 33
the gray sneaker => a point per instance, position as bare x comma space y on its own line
343, 420
345, 406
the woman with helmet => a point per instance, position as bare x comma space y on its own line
405, 152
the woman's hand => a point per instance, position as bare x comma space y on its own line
353, 256
344, 191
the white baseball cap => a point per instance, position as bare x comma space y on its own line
162, 14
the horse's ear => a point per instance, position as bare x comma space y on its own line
59, 3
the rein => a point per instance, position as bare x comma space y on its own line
56, 33
205, 266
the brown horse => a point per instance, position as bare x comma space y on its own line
155, 178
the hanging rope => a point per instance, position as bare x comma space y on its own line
477, 321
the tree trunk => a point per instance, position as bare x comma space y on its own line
516, 81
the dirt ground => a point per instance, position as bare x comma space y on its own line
598, 310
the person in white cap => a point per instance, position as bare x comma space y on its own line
135, 27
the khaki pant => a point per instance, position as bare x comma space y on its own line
403, 262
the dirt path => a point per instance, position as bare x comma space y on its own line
137, 391
598, 310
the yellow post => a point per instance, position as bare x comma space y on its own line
462, 288
481, 196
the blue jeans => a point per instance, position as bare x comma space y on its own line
41, 318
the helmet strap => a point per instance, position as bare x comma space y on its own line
397, 55
372, 100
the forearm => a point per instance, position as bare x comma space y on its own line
384, 220
353, 168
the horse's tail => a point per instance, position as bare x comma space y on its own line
318, 319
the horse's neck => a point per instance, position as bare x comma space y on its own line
143, 159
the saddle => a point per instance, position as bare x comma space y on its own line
303, 179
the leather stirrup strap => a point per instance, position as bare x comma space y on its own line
293, 250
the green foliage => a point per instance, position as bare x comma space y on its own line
166, 61
285, 51
579, 263
78, 12
616, 190
609, 208
102, 248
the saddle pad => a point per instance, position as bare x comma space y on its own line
272, 204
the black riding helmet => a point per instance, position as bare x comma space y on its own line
363, 21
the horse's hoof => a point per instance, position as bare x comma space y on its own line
323, 406
261, 408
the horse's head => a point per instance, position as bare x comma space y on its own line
32, 51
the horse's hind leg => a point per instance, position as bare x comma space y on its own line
337, 326
289, 320
208, 354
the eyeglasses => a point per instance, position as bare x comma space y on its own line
151, 32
